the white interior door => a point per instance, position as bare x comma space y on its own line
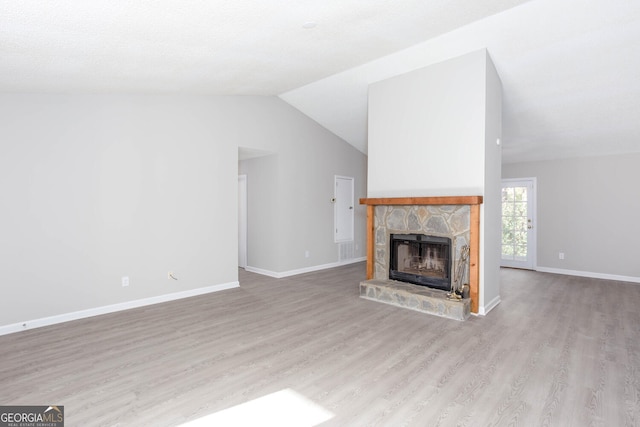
242, 221
343, 209
518, 223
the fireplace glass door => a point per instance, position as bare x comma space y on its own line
421, 259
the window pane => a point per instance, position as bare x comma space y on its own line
508, 223
520, 194
507, 252
520, 208
507, 208
507, 194
507, 237
520, 237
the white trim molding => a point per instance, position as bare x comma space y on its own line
82, 314
589, 274
482, 311
280, 275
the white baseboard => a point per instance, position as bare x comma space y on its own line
280, 275
66, 317
589, 274
482, 311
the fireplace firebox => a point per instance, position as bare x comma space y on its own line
421, 259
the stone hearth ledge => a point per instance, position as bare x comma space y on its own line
415, 297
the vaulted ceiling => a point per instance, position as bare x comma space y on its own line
570, 69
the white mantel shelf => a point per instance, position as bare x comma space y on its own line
474, 232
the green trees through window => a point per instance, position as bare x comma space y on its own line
514, 223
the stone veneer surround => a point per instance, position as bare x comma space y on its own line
473, 202
439, 220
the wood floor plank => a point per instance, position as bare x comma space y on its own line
558, 350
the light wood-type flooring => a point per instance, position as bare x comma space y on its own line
557, 351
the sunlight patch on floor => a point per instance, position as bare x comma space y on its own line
283, 408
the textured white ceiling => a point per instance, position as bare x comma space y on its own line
570, 68
252, 47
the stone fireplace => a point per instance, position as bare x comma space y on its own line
418, 241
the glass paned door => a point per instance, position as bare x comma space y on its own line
518, 236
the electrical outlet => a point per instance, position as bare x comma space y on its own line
561, 255
125, 281
307, 254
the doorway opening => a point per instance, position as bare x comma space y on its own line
247, 193
518, 223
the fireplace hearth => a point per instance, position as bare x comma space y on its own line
421, 259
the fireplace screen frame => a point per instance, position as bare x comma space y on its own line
443, 283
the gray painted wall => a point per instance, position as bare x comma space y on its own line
97, 187
298, 199
433, 124
587, 208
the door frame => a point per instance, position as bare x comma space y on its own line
242, 221
532, 237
